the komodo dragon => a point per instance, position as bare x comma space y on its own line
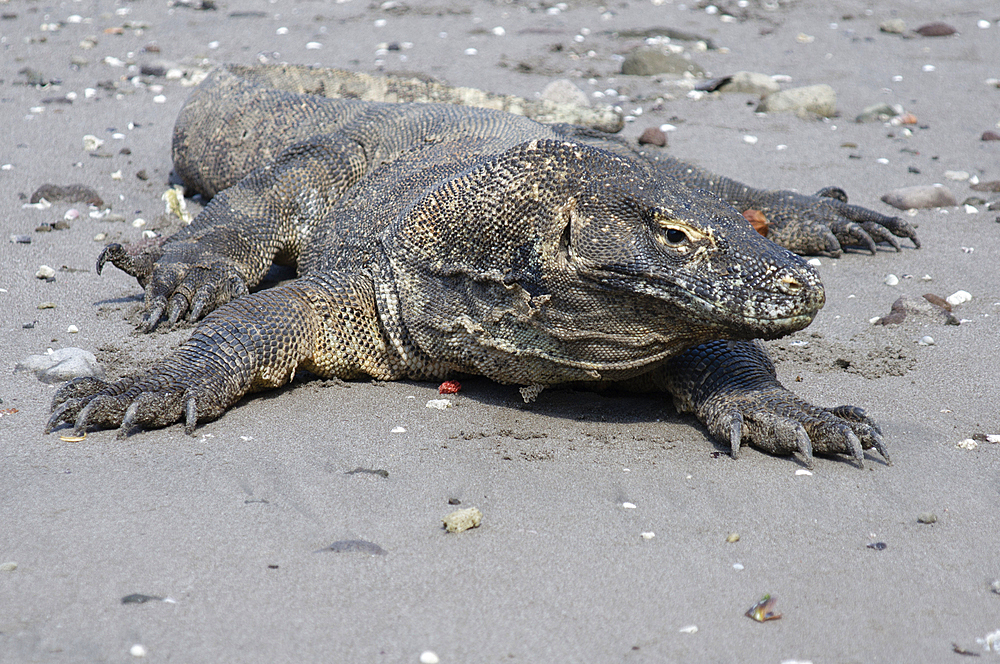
435, 239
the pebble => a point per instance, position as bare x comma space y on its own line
653, 136
920, 196
429, 657
652, 61
935, 30
930, 307
564, 91
959, 176
994, 584
91, 143
894, 26
810, 100
749, 82
967, 444
20, 239
461, 520
690, 629
815, 262
733, 538
72, 329
62, 365
8, 566
958, 297
45, 272
647, 535
881, 112
628, 506
891, 280
138, 650
927, 517
926, 341
990, 136
439, 404
398, 430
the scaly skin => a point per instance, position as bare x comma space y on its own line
439, 239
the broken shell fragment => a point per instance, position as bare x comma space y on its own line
763, 610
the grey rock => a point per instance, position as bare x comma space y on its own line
563, 91
920, 196
62, 365
810, 100
877, 113
651, 61
917, 308
749, 82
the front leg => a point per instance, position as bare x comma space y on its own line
227, 249
325, 324
732, 387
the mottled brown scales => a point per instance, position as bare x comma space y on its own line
435, 239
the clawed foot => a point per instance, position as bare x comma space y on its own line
778, 422
182, 281
826, 223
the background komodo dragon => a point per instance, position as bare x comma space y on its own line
435, 239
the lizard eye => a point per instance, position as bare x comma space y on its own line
676, 236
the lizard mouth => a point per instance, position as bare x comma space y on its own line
730, 309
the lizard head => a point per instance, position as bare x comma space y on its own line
691, 253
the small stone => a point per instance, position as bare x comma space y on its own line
733, 538
958, 297
138, 650
990, 136
46, 305
881, 112
8, 566
461, 520
967, 444
653, 136
891, 280
564, 91
815, 262
62, 365
45, 272
920, 196
439, 404
648, 535
650, 61
959, 176
927, 517
894, 26
398, 430
803, 471
20, 239
810, 100
628, 506
748, 82
935, 30
690, 629
994, 584
72, 329
926, 341
429, 657
92, 143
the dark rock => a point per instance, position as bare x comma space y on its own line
73, 193
921, 308
990, 136
935, 30
653, 136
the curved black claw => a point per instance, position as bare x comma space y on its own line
826, 223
